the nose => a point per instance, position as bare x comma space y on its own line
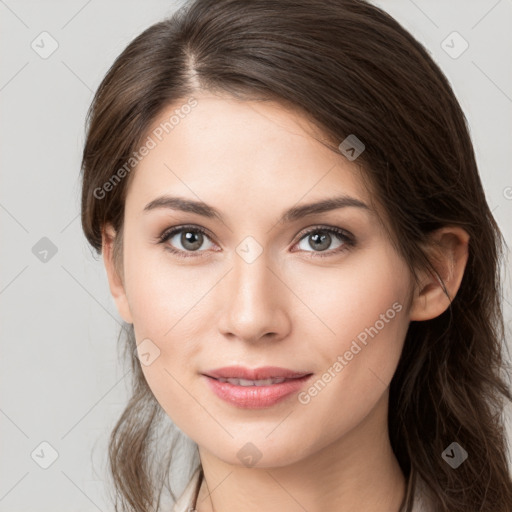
255, 302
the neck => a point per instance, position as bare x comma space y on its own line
358, 471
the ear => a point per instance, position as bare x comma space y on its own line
115, 281
449, 255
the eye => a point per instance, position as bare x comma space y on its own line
191, 239
320, 239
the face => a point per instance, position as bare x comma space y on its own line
322, 293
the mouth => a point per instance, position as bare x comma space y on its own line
263, 376
257, 393
260, 382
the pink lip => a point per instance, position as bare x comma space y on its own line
256, 397
264, 372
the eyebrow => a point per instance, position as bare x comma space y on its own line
290, 215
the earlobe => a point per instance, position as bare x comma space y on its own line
449, 255
115, 281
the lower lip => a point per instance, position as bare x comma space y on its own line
255, 397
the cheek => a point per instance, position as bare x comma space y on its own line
342, 300
164, 297
168, 309
359, 324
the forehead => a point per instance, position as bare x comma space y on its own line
241, 155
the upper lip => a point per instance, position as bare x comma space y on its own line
265, 372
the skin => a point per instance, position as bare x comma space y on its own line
253, 160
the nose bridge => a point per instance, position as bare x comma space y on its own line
251, 280
253, 307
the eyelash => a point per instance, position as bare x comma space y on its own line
348, 240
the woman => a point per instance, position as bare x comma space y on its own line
293, 226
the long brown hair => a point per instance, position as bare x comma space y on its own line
352, 69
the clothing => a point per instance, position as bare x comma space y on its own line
187, 501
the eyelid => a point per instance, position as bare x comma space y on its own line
325, 227
176, 229
349, 241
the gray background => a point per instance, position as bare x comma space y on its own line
61, 380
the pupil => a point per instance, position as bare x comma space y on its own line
190, 237
319, 241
